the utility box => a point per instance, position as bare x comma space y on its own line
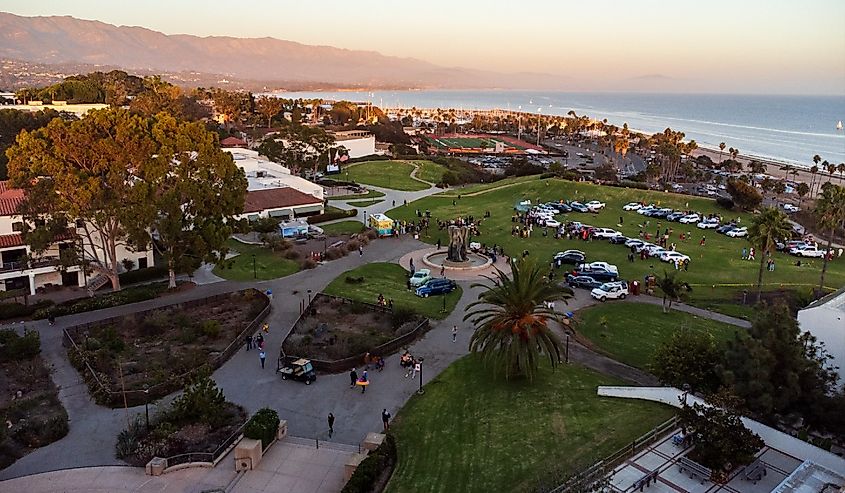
156, 466
247, 454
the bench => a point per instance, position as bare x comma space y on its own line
755, 471
645, 481
694, 469
337, 244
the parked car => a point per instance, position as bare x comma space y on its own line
582, 282
436, 286
300, 370
574, 257
789, 245
579, 207
552, 223
654, 250
645, 210
675, 216
634, 242
604, 233
597, 274
632, 206
725, 228
599, 266
738, 232
420, 277
668, 256
610, 290
618, 239
807, 251
708, 224
790, 208
690, 219
661, 213
595, 205
563, 208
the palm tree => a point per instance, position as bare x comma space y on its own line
512, 318
721, 149
673, 289
840, 168
803, 189
766, 229
830, 214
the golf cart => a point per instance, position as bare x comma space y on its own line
300, 369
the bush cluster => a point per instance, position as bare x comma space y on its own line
19, 310
263, 426
373, 469
142, 275
329, 216
17, 348
123, 297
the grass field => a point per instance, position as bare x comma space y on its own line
371, 194
470, 432
343, 227
387, 174
268, 265
717, 263
365, 203
631, 332
390, 280
430, 172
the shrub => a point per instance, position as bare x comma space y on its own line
265, 225
17, 348
309, 263
123, 297
263, 426
376, 467
201, 402
352, 245
400, 315
142, 275
292, 254
371, 234
19, 310
354, 280
725, 202
329, 216
210, 328
334, 253
128, 439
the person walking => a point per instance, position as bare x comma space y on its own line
438, 243
385, 419
330, 419
248, 341
353, 377
455, 333
262, 356
364, 381
360, 251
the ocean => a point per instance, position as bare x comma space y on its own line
781, 128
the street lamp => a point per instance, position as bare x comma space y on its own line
147, 405
421, 391
309, 296
254, 271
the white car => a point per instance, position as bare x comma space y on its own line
644, 246
654, 250
634, 242
595, 205
552, 223
807, 251
790, 208
738, 232
691, 219
646, 209
610, 291
420, 277
633, 206
600, 265
604, 233
671, 257
708, 224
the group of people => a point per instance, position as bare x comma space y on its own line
382, 301
257, 341
411, 365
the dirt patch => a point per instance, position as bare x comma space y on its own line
151, 348
335, 329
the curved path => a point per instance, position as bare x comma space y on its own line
93, 429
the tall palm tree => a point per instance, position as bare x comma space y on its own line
840, 168
721, 149
828, 168
830, 214
673, 289
814, 170
766, 229
512, 318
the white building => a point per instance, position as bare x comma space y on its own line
272, 190
19, 271
825, 319
359, 143
77, 109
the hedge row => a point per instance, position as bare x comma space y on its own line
374, 471
19, 310
123, 297
263, 426
141, 275
330, 216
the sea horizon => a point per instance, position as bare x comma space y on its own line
785, 128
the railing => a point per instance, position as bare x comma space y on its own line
207, 459
32, 264
591, 479
116, 398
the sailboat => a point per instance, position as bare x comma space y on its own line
839, 125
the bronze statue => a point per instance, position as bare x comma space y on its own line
457, 244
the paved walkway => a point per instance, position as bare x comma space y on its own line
392, 198
699, 312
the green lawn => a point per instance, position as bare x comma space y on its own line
343, 227
631, 332
365, 203
268, 265
470, 432
430, 172
387, 174
371, 194
717, 263
390, 280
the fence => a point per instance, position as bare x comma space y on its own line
591, 479
102, 392
340, 365
207, 459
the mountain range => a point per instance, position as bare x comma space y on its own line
63, 39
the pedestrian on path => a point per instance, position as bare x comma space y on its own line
364, 382
248, 341
353, 377
360, 250
438, 244
330, 419
455, 333
262, 355
417, 368
385, 419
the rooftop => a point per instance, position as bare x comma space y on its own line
277, 198
834, 301
10, 199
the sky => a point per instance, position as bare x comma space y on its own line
743, 46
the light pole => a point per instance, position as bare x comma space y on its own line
254, 271
309, 297
421, 391
147, 405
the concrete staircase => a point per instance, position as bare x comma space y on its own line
96, 283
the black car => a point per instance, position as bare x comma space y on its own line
570, 257
618, 239
585, 282
597, 274
563, 208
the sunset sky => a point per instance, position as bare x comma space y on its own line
715, 46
